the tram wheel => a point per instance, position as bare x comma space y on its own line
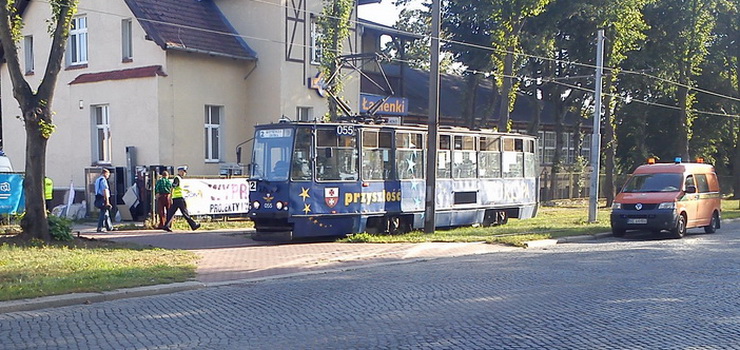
502, 218
397, 225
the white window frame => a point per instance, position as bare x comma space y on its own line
548, 147
213, 135
77, 42
28, 54
304, 114
586, 148
102, 145
127, 45
316, 49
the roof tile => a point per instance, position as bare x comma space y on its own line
190, 25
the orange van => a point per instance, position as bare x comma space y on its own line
668, 196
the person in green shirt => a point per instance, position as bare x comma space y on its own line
163, 194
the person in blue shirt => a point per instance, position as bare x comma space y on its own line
102, 201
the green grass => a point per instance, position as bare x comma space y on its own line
29, 270
565, 218
730, 209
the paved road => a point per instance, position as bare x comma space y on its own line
632, 293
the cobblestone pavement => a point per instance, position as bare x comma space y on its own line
632, 293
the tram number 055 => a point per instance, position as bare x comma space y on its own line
344, 130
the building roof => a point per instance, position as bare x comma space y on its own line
384, 29
190, 25
132, 73
452, 97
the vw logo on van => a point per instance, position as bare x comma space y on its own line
638, 206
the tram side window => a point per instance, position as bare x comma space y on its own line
336, 156
410, 155
376, 155
489, 162
464, 162
301, 165
530, 159
512, 160
444, 159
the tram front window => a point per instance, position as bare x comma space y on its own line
271, 154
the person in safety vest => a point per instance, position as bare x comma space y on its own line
178, 202
48, 192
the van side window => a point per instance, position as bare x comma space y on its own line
689, 182
713, 183
701, 183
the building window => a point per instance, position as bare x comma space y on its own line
316, 48
548, 151
77, 42
102, 142
28, 54
127, 46
586, 148
304, 114
214, 116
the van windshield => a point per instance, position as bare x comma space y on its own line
665, 182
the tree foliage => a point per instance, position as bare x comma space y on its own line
671, 71
334, 24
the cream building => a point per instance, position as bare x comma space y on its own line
169, 82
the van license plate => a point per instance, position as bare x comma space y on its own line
637, 221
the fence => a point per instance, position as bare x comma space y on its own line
577, 185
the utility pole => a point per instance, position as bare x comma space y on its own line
596, 136
430, 204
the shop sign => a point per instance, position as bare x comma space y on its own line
392, 106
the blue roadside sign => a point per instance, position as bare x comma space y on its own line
12, 200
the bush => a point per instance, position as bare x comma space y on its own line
60, 228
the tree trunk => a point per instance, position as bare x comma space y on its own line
610, 148
736, 162
534, 125
684, 126
503, 115
557, 156
34, 222
470, 99
642, 135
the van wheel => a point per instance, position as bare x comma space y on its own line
713, 224
616, 232
680, 230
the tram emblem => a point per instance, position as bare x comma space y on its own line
331, 196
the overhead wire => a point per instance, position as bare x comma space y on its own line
457, 42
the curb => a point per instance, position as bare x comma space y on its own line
584, 238
541, 243
89, 298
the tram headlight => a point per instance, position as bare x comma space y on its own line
256, 205
279, 205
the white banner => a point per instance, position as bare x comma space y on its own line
216, 196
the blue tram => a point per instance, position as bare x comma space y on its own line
314, 179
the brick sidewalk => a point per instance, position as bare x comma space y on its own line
231, 255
